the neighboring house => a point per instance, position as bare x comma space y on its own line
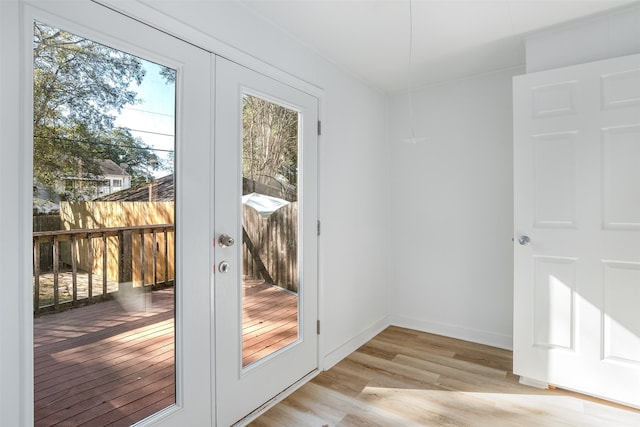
113, 179
158, 190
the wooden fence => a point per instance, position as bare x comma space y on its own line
108, 246
270, 246
101, 248
95, 245
98, 215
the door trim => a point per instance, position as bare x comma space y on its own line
16, 406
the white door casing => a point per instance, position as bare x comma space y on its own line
193, 154
577, 197
239, 390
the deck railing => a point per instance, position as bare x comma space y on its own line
120, 258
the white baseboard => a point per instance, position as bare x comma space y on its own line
342, 351
534, 383
467, 334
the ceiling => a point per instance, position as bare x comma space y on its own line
451, 38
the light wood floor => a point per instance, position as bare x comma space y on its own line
409, 378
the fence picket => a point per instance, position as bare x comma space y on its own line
272, 242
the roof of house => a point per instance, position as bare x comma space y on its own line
162, 190
109, 167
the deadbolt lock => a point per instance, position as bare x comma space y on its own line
224, 267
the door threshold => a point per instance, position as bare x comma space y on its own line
276, 399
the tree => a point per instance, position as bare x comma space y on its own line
270, 144
79, 87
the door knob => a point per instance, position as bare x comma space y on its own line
524, 240
225, 240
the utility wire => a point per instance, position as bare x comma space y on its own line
150, 132
148, 111
85, 141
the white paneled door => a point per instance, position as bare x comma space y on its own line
577, 228
265, 239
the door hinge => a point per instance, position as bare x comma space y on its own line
319, 127
318, 327
318, 227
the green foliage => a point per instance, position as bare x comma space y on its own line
169, 74
79, 88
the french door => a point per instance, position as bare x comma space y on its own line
143, 351
246, 328
577, 219
266, 239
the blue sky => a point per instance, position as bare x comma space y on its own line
153, 119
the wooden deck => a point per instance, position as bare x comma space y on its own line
269, 320
112, 363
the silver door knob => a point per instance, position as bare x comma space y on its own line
524, 240
225, 240
224, 267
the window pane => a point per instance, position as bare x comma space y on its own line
103, 241
269, 227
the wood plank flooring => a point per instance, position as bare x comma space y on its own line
112, 363
408, 378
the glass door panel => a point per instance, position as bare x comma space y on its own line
270, 282
121, 274
104, 235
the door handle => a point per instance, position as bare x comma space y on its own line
524, 240
225, 240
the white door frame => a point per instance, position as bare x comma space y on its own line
15, 310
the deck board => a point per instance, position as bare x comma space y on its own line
269, 320
113, 362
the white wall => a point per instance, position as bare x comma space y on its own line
451, 209
354, 188
451, 196
605, 36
